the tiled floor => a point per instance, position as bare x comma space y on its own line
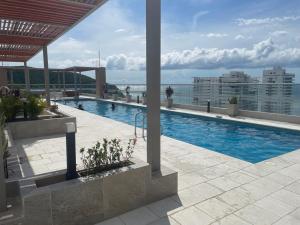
213, 188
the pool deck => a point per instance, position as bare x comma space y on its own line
213, 188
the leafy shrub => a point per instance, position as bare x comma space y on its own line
34, 106
169, 92
10, 106
106, 155
233, 100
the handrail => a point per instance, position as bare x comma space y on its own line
143, 124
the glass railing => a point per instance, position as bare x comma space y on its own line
274, 98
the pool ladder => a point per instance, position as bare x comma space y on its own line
143, 124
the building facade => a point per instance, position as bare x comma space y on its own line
277, 91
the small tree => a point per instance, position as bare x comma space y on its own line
169, 92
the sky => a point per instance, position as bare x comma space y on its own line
199, 38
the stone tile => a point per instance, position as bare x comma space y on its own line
292, 171
165, 207
215, 208
216, 171
192, 216
231, 220
256, 215
241, 177
296, 214
288, 220
224, 183
140, 216
280, 178
237, 198
274, 206
287, 197
294, 187
190, 179
165, 221
113, 221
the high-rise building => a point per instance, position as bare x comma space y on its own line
277, 91
219, 89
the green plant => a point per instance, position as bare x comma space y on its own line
10, 106
169, 92
3, 140
34, 106
106, 155
127, 90
233, 100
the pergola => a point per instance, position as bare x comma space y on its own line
29, 26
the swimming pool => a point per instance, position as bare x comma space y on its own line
252, 143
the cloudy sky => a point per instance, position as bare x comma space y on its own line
199, 38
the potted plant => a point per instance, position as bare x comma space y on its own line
169, 93
34, 106
233, 107
128, 96
106, 156
144, 95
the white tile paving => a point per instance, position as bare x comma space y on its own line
213, 188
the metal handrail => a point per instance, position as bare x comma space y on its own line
143, 124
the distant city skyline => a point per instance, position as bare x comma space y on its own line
208, 37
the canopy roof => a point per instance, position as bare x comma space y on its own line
27, 26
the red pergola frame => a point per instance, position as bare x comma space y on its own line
27, 26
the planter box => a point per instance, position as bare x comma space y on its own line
128, 98
90, 200
233, 109
169, 103
40, 127
144, 100
115, 97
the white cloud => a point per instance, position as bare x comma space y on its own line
239, 37
197, 16
216, 35
262, 54
278, 33
266, 21
121, 30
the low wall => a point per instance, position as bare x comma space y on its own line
245, 113
41, 127
87, 201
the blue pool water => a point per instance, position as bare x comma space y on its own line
248, 142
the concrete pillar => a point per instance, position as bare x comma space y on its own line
153, 63
100, 81
27, 78
80, 88
64, 80
75, 80
46, 74
3, 77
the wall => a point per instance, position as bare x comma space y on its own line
37, 128
87, 201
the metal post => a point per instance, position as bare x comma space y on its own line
75, 80
153, 63
11, 78
27, 78
71, 151
80, 88
46, 74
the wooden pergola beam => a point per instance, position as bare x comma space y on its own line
26, 53
23, 40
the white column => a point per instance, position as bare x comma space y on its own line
27, 78
46, 74
153, 61
100, 81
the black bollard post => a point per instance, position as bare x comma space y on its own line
208, 106
138, 99
71, 151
